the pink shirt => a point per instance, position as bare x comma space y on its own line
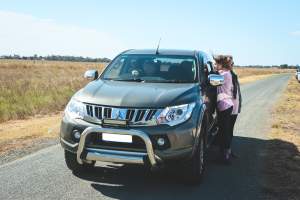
225, 98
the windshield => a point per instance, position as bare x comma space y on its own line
152, 68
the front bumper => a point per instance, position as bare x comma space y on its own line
113, 155
181, 142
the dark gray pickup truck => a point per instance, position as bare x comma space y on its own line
150, 107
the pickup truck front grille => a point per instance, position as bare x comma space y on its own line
129, 114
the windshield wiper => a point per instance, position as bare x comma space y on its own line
150, 81
177, 81
130, 80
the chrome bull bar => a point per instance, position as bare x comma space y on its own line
115, 156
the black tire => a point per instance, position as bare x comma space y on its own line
74, 166
194, 168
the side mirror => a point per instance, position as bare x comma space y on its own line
215, 79
91, 74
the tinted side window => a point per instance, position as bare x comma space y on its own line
206, 67
200, 71
210, 62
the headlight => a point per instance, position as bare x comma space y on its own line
75, 109
176, 114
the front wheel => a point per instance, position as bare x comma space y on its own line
72, 164
194, 168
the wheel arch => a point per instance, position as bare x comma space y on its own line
202, 119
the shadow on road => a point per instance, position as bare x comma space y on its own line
241, 180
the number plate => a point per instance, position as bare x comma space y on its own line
116, 138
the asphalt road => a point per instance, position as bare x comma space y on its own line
43, 175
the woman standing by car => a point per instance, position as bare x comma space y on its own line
237, 101
228, 104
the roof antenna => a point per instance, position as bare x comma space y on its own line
158, 47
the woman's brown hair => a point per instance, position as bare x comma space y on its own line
226, 61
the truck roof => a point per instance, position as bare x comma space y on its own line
162, 52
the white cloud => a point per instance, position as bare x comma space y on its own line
295, 33
27, 35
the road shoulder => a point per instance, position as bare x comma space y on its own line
23, 137
282, 164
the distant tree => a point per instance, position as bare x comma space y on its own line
57, 58
284, 66
16, 56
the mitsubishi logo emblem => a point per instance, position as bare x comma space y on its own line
118, 114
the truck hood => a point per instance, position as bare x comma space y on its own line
137, 94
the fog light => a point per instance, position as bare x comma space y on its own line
76, 134
161, 141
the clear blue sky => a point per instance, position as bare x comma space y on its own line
254, 32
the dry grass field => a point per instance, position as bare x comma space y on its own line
247, 72
247, 75
28, 88
282, 169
